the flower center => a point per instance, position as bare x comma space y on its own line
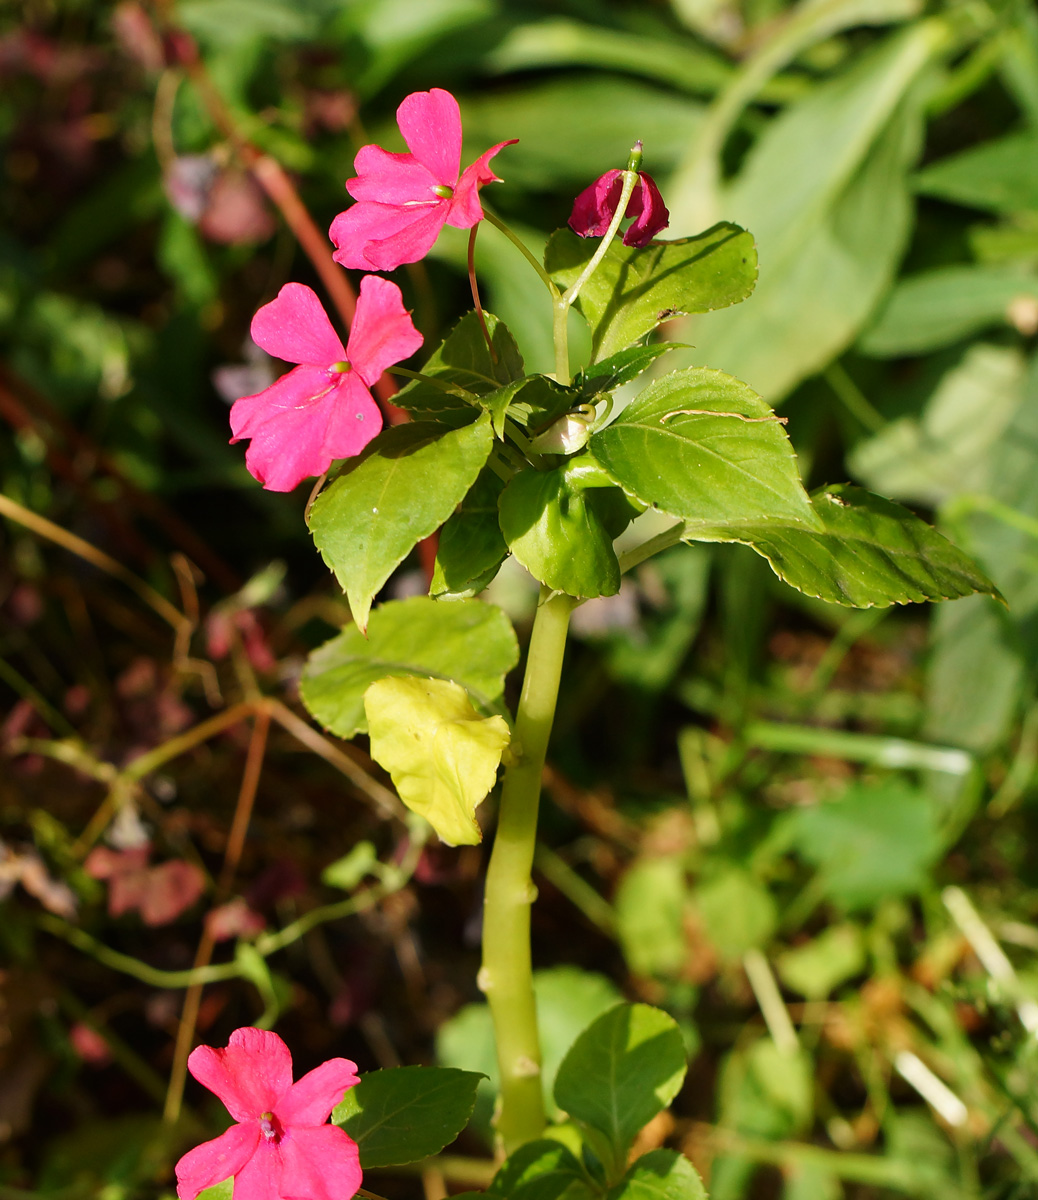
270, 1127
340, 368
442, 190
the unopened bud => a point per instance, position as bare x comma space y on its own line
634, 163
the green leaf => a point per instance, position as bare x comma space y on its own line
872, 552
542, 1170
704, 447
939, 307
404, 1114
950, 448
635, 288
874, 842
442, 755
738, 913
767, 1091
650, 916
405, 485
660, 1175
824, 191
532, 403
471, 546
623, 367
467, 641
1001, 176
463, 360
561, 532
622, 1070
219, 1191
568, 1000
816, 968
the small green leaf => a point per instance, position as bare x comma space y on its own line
660, 1175
622, 1070
404, 1114
705, 447
738, 913
818, 967
623, 367
348, 871
635, 289
542, 1170
470, 546
442, 755
219, 1191
463, 360
532, 403
559, 532
871, 552
650, 915
406, 484
467, 641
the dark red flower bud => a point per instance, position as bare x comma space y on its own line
596, 205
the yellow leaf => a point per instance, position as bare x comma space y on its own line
442, 755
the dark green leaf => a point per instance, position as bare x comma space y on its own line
463, 360
561, 532
622, 367
404, 1114
1001, 176
939, 307
542, 1170
703, 446
871, 552
634, 289
406, 484
622, 1070
532, 403
466, 641
660, 1175
471, 547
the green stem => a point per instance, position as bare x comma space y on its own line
506, 975
523, 249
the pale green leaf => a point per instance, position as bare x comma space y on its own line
635, 288
650, 916
442, 755
406, 484
999, 175
703, 446
819, 966
467, 641
738, 912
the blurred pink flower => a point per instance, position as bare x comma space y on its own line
321, 410
280, 1148
596, 205
404, 200
160, 894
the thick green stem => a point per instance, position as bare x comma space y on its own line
506, 975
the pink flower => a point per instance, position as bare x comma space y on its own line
404, 200
280, 1148
594, 208
323, 409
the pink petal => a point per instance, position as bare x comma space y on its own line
593, 209
287, 423
380, 237
215, 1161
313, 1097
431, 125
250, 1076
319, 1164
382, 333
391, 178
649, 212
465, 209
261, 1177
353, 420
294, 327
